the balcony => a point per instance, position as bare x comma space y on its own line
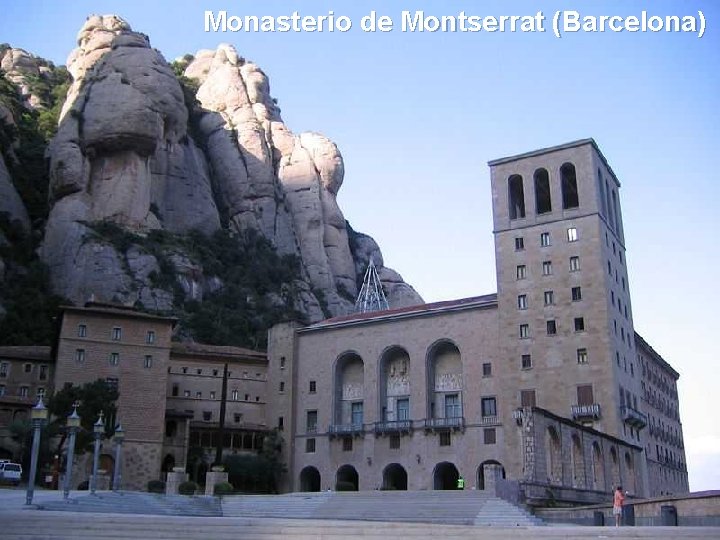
585, 412
493, 420
633, 418
442, 424
393, 426
344, 430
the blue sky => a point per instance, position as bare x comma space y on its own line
418, 115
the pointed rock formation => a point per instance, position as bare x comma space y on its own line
134, 150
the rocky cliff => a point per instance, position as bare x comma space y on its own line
162, 150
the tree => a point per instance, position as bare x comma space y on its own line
92, 398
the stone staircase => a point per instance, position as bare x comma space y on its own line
135, 502
442, 507
451, 507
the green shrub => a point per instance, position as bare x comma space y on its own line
188, 488
156, 486
224, 488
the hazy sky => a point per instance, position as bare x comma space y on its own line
418, 115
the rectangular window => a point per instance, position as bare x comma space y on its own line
82, 330
519, 243
235, 395
311, 422
545, 239
247, 397
585, 394
282, 362
2, 389
549, 298
572, 234
282, 386
526, 361
394, 441
114, 359
347, 444
150, 337
445, 438
521, 271
574, 264
527, 398
309, 446
281, 423
175, 390
207, 416
356, 413
313, 387
582, 356
452, 406
551, 327
198, 395
609, 268
212, 394
80, 356
24, 391
488, 406
487, 369
116, 333
576, 294
27, 368
579, 324
148, 361
547, 268
524, 331
403, 409
4, 368
489, 436
522, 301
186, 393
43, 374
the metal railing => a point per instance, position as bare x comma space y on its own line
393, 426
585, 411
454, 422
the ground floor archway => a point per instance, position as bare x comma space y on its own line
445, 476
309, 479
395, 477
347, 479
481, 472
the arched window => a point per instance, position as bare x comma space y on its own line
395, 385
578, 462
554, 456
444, 382
543, 203
568, 181
601, 194
349, 390
516, 197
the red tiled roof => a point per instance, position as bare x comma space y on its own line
419, 308
189, 348
26, 352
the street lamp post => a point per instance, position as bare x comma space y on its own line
73, 426
98, 429
38, 415
119, 437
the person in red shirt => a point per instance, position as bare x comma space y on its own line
618, 500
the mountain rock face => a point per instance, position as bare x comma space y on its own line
132, 149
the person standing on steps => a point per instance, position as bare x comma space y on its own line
618, 500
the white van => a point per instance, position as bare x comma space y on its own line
10, 472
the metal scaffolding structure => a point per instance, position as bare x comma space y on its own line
371, 296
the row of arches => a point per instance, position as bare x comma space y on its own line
444, 376
394, 477
600, 475
543, 196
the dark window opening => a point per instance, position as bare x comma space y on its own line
543, 203
517, 196
569, 186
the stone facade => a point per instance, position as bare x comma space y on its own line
542, 391
663, 438
414, 397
